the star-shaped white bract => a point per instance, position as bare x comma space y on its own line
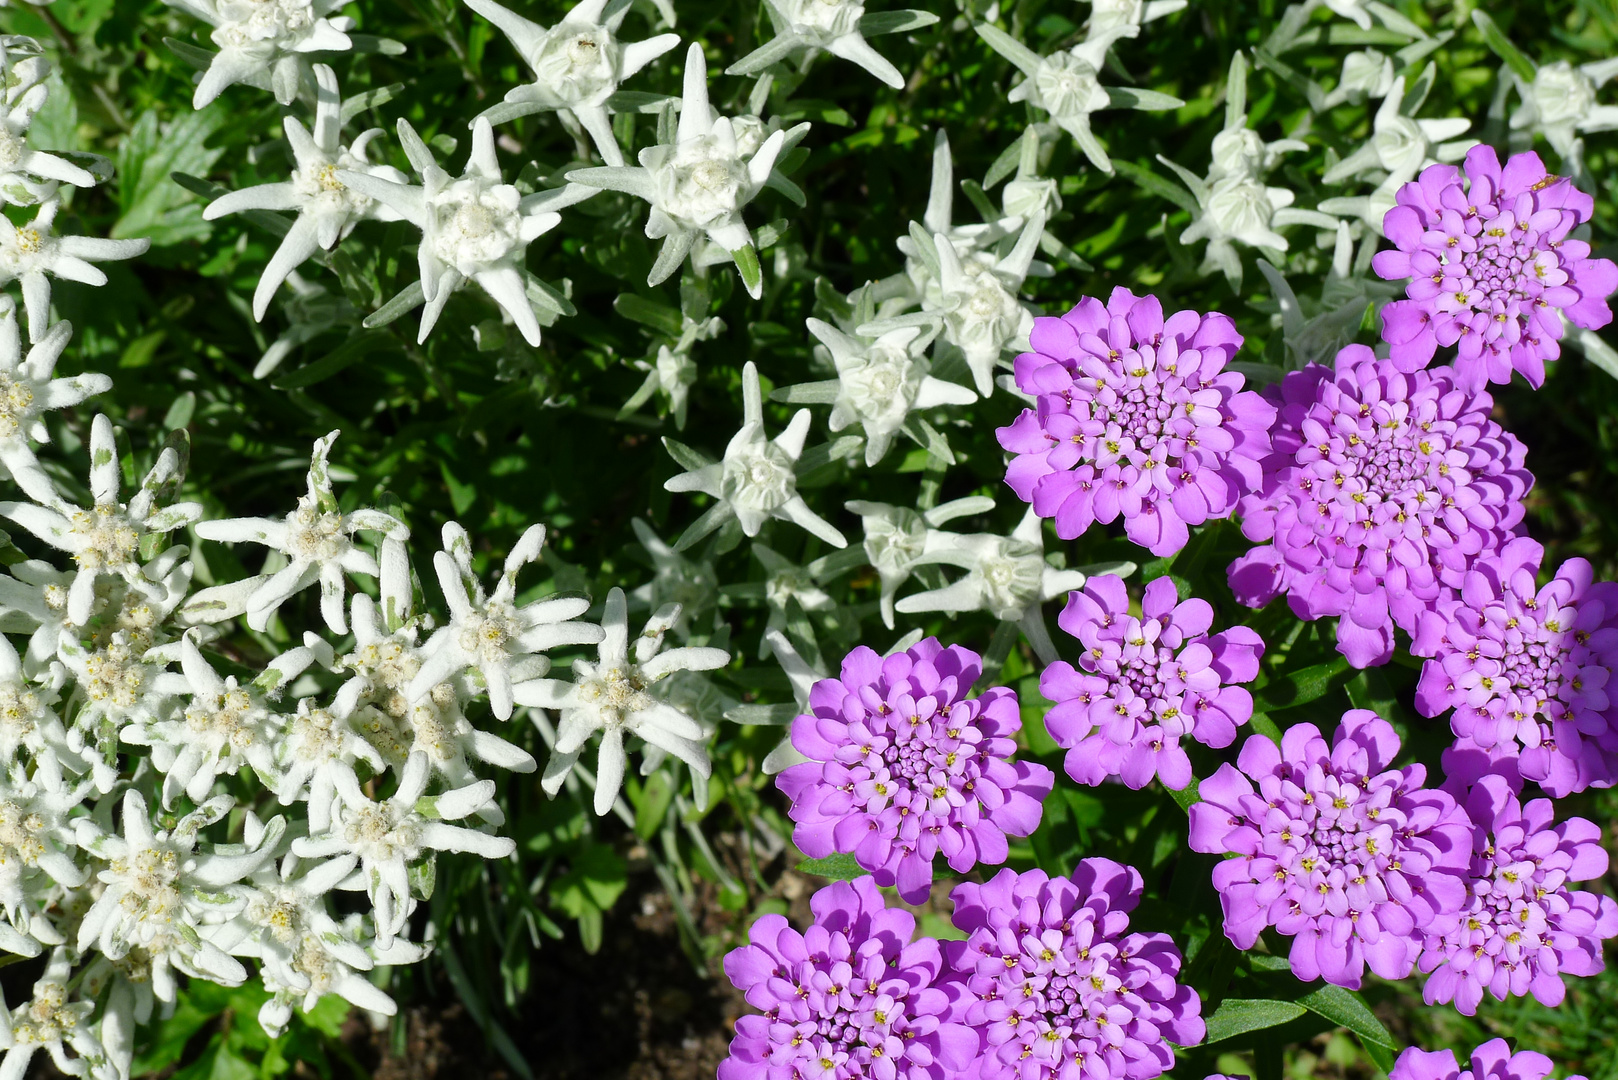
896, 538
265, 43
36, 840
698, 184
577, 66
616, 696
33, 254
1367, 75
475, 228
29, 724
490, 633
316, 539
756, 479
837, 26
385, 839
1560, 103
28, 176
52, 1020
1007, 576
1066, 85
104, 539
1113, 19
28, 388
327, 208
1238, 150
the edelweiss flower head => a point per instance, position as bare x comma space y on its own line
896, 538
1560, 103
29, 176
839, 27
1354, 860
33, 254
1137, 417
1382, 489
54, 1021
36, 840
851, 997
265, 43
28, 389
1144, 683
903, 766
1492, 269
1056, 986
1527, 669
1493, 1060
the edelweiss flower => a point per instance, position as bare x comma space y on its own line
33, 254
1238, 150
264, 43
36, 839
327, 209
838, 26
1560, 103
28, 721
28, 176
698, 184
755, 481
1239, 209
675, 580
28, 391
51, 1022
315, 538
577, 65
896, 538
475, 228
1113, 19
489, 632
785, 583
615, 696
1367, 75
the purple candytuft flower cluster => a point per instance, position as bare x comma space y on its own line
1492, 269
1491, 1061
1136, 417
1383, 487
1526, 668
1523, 928
1057, 987
904, 766
852, 996
1355, 861
1143, 684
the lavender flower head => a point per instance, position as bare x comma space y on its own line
1383, 487
1523, 928
1143, 684
1056, 986
1136, 417
1492, 269
1491, 1061
1353, 860
850, 997
904, 766
1526, 669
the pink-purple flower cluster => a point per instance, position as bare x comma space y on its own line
1136, 417
1382, 489
1057, 987
1492, 268
1526, 668
1143, 684
1355, 861
851, 997
1523, 928
903, 766
1491, 1061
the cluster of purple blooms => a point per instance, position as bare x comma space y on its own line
1493, 1060
1142, 684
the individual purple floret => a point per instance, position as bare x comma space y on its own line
1492, 269
851, 997
1352, 859
1137, 417
1143, 684
1382, 490
1526, 668
1491, 1061
904, 766
1056, 986
1523, 928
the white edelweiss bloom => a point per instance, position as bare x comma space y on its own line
36, 840
698, 184
384, 839
577, 66
1113, 19
837, 26
474, 228
28, 720
54, 1021
616, 697
28, 389
1367, 75
786, 582
896, 538
264, 43
33, 600
1007, 576
327, 208
159, 891
332, 962
316, 539
1238, 150
317, 746
104, 539
692, 586
28, 176
33, 254
976, 296
488, 632
756, 480
1066, 85
1560, 103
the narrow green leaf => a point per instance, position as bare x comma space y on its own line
893, 22
1303, 686
659, 317
1347, 1009
1496, 40
839, 867
1153, 184
1239, 1016
355, 348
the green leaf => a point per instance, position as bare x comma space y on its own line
893, 22
655, 799
349, 352
1302, 686
1149, 181
838, 867
1347, 1009
598, 877
1239, 1016
151, 204
659, 317
1128, 97
1496, 40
